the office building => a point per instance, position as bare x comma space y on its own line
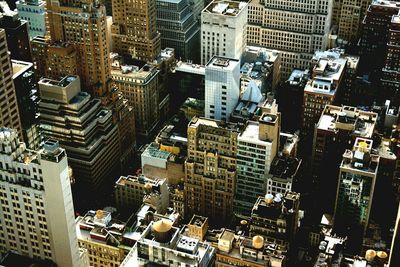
54, 60
262, 66
198, 227
348, 16
257, 145
211, 168
322, 89
296, 29
222, 30
357, 178
374, 36
84, 128
390, 74
335, 132
106, 239
9, 115
222, 87
276, 218
134, 30
33, 11
162, 243
179, 28
237, 249
282, 174
141, 87
132, 191
28, 99
37, 214
394, 258
83, 25
16, 32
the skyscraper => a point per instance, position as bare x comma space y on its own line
140, 87
295, 28
222, 87
83, 25
85, 129
17, 33
211, 168
33, 11
27, 98
355, 190
9, 115
390, 73
134, 29
37, 214
374, 36
179, 28
222, 30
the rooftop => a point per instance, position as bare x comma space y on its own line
64, 82
190, 68
335, 118
198, 122
152, 184
361, 158
19, 67
99, 227
225, 8
297, 76
275, 207
198, 220
155, 152
251, 133
224, 63
284, 167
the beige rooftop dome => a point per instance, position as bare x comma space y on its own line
258, 242
162, 226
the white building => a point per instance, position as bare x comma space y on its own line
223, 25
222, 85
296, 28
33, 11
36, 212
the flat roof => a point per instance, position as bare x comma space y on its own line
217, 62
251, 133
225, 8
20, 67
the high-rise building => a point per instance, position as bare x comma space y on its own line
33, 11
394, 259
257, 145
141, 87
322, 89
276, 218
134, 29
348, 16
355, 190
9, 115
84, 128
295, 28
211, 168
375, 34
222, 30
17, 33
37, 214
390, 73
336, 131
222, 87
179, 28
28, 99
83, 25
